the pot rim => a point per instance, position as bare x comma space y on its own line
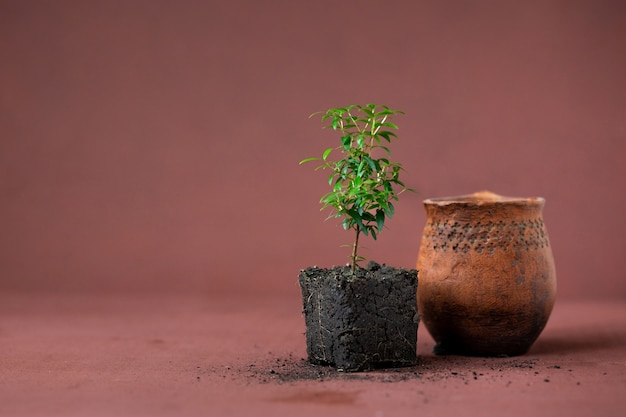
482, 198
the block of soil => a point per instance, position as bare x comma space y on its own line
362, 320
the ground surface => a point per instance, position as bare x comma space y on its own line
220, 356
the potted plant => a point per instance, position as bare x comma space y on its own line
359, 318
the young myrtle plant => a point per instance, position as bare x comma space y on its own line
364, 181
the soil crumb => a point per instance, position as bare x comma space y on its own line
290, 369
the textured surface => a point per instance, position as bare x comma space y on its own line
70, 356
362, 321
487, 274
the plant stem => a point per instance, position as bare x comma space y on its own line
354, 249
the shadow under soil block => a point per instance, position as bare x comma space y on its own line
360, 321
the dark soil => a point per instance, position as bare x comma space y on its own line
281, 370
363, 320
431, 369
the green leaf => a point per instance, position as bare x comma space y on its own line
389, 124
380, 219
359, 170
390, 210
385, 112
326, 153
304, 161
372, 164
346, 141
387, 135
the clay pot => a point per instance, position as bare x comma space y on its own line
487, 276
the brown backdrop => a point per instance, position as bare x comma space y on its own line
153, 145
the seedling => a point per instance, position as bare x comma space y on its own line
364, 181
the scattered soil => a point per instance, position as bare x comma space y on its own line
280, 370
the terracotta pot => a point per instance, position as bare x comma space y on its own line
487, 276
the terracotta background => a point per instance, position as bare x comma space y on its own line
153, 145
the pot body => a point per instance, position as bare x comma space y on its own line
487, 275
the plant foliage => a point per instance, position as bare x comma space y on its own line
364, 181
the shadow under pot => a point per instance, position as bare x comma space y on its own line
487, 275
